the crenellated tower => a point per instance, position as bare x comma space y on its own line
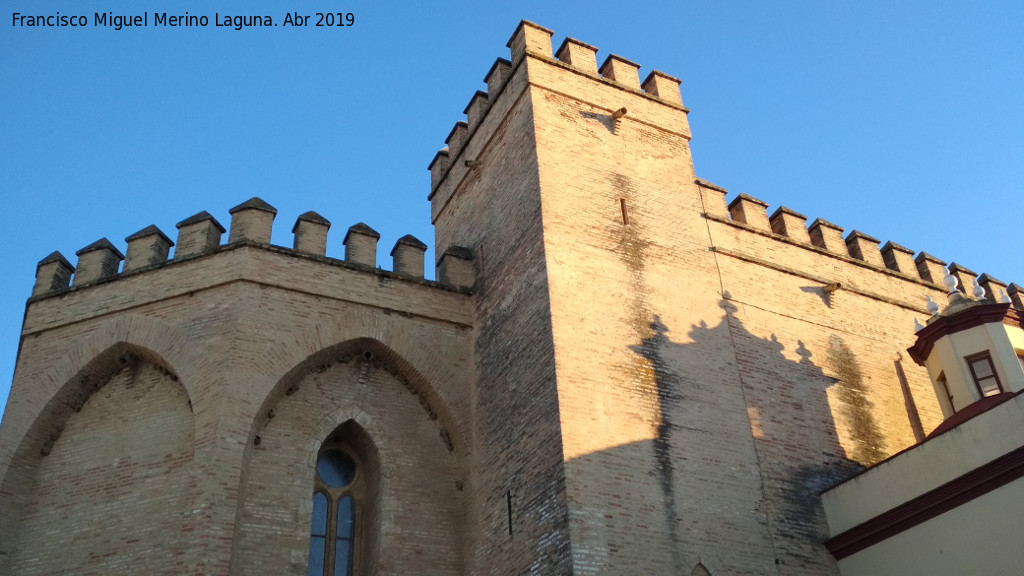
616, 371
664, 380
573, 184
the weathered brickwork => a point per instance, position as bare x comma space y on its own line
231, 362
618, 372
119, 480
494, 210
419, 476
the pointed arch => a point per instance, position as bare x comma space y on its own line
429, 357
379, 355
374, 431
344, 535
368, 389
51, 401
79, 386
83, 365
120, 427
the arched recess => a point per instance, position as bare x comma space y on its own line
378, 355
417, 464
104, 471
33, 401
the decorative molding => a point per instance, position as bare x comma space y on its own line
931, 504
969, 318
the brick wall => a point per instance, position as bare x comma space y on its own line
708, 387
661, 469
113, 492
495, 211
642, 380
233, 362
414, 514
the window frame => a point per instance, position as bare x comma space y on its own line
356, 489
974, 376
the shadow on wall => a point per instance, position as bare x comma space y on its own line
746, 443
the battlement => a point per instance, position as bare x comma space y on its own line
200, 235
548, 113
855, 247
579, 58
607, 335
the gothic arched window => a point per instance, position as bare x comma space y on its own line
337, 499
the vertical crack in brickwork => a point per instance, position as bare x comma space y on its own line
797, 446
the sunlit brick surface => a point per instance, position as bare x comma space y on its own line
618, 375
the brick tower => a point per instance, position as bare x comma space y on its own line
665, 382
574, 185
615, 372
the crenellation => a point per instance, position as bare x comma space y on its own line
146, 248
197, 234
748, 358
663, 87
993, 288
1016, 294
827, 236
497, 76
748, 210
535, 40
864, 248
408, 256
930, 268
457, 138
361, 245
530, 38
964, 276
579, 55
53, 274
455, 268
252, 221
621, 71
310, 232
784, 222
713, 198
439, 167
790, 223
476, 109
97, 261
899, 258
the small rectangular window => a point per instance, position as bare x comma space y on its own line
984, 373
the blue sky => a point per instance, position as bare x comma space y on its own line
899, 119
